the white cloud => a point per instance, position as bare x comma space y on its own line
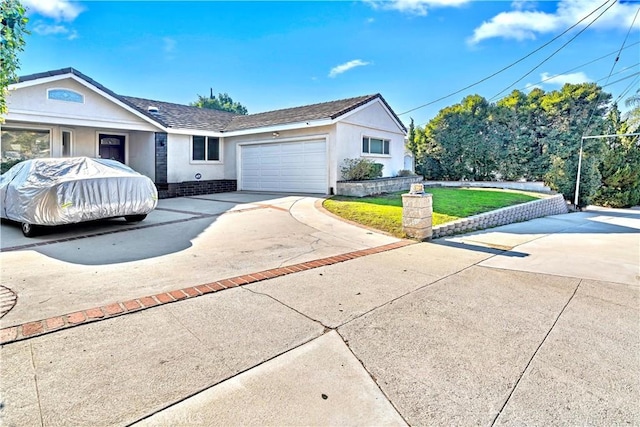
169, 44
524, 4
61, 10
523, 24
414, 7
562, 79
339, 69
558, 80
44, 29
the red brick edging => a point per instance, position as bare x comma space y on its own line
39, 327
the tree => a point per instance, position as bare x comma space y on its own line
458, 143
633, 116
574, 111
620, 167
12, 32
412, 145
223, 103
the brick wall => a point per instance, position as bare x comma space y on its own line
196, 188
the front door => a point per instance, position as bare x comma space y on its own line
112, 147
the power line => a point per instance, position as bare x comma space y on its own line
621, 80
595, 107
628, 88
578, 67
556, 51
615, 62
510, 65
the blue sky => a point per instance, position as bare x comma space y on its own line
269, 55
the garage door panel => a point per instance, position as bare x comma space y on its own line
288, 167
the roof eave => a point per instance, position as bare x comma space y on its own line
65, 73
362, 105
280, 127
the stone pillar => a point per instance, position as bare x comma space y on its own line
417, 210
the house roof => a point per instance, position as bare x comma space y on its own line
325, 110
178, 116
73, 71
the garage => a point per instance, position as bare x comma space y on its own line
296, 166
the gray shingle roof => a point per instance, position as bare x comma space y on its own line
325, 110
180, 116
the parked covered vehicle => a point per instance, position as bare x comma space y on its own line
57, 191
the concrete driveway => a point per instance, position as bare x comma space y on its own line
184, 242
534, 323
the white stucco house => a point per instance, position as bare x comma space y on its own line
187, 150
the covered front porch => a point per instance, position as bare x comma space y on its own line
24, 140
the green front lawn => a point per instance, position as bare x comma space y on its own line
385, 212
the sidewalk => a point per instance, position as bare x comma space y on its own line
506, 326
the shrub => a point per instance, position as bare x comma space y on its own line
8, 164
405, 172
360, 169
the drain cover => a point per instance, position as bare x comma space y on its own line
7, 300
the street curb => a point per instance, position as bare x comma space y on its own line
53, 324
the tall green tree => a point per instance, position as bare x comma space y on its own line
13, 28
458, 142
574, 111
510, 129
633, 116
222, 102
412, 145
620, 167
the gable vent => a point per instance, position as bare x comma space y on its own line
153, 109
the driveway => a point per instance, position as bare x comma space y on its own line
534, 323
184, 242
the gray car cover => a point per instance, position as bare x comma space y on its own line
54, 191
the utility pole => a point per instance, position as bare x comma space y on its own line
575, 199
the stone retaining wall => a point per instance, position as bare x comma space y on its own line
375, 186
538, 208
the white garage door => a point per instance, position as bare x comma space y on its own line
297, 167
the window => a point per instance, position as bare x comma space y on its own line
66, 95
375, 145
23, 144
205, 149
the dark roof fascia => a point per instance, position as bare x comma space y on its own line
89, 80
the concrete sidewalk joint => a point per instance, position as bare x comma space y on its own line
54, 324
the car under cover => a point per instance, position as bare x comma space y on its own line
57, 191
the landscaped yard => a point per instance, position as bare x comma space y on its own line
385, 212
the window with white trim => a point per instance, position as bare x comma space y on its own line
205, 149
66, 95
375, 145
